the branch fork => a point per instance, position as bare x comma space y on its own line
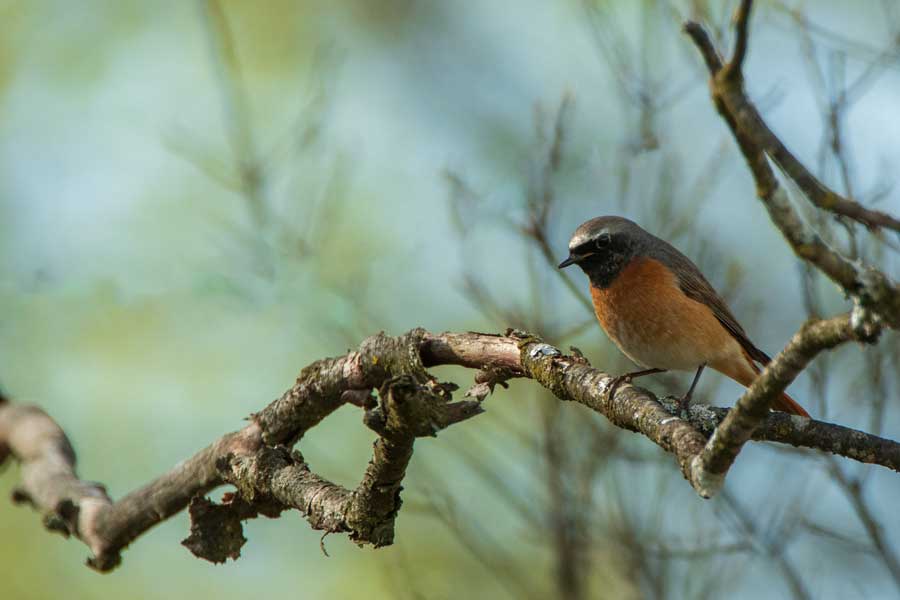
270, 478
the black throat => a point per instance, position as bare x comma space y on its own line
603, 268
602, 275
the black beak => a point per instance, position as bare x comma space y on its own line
569, 261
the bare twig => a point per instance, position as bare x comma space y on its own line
727, 84
235, 104
773, 548
871, 287
742, 33
854, 492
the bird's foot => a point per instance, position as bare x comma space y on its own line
628, 378
684, 404
615, 382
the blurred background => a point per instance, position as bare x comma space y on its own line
199, 198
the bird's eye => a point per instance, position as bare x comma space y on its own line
603, 240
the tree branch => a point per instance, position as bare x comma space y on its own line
802, 433
876, 298
871, 288
727, 82
709, 468
269, 478
742, 33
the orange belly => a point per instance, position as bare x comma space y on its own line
645, 313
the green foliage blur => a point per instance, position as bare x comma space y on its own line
190, 213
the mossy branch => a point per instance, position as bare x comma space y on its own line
270, 478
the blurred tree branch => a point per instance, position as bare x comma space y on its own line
876, 298
269, 478
236, 109
728, 91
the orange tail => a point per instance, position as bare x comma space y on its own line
786, 404
745, 374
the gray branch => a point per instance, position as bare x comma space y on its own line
870, 288
752, 408
876, 298
269, 477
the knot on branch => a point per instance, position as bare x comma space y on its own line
264, 482
408, 409
486, 379
865, 323
217, 532
322, 386
383, 356
63, 519
876, 303
252, 475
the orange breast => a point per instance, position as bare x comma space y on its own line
656, 325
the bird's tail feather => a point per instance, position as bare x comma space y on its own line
783, 403
786, 404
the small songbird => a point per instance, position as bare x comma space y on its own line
657, 307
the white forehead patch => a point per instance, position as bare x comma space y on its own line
580, 237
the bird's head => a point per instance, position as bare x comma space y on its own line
602, 247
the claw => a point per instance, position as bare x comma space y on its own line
616, 381
684, 404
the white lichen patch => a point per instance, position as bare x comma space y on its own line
800, 423
543, 350
703, 416
604, 385
865, 322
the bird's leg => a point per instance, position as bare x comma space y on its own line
628, 377
685, 403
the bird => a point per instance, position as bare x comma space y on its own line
659, 310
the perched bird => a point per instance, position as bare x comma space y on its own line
657, 307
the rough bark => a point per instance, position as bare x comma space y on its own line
270, 478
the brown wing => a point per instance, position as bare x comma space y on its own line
696, 287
